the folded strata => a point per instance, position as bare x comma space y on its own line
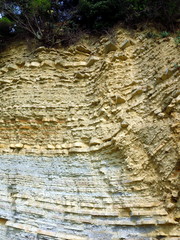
89, 141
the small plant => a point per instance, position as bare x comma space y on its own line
5, 26
177, 40
5, 20
176, 66
164, 34
151, 35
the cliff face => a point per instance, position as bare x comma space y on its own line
89, 141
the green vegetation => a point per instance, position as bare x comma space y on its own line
101, 14
151, 35
39, 5
5, 20
105, 12
164, 34
177, 40
5, 26
51, 21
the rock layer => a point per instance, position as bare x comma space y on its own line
89, 141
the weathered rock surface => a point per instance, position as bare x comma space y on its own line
89, 146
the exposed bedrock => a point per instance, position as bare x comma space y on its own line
89, 141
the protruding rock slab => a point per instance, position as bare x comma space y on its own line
109, 46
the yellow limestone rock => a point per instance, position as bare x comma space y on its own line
34, 64
109, 46
83, 49
92, 60
17, 146
48, 63
12, 67
119, 56
95, 141
89, 144
126, 44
